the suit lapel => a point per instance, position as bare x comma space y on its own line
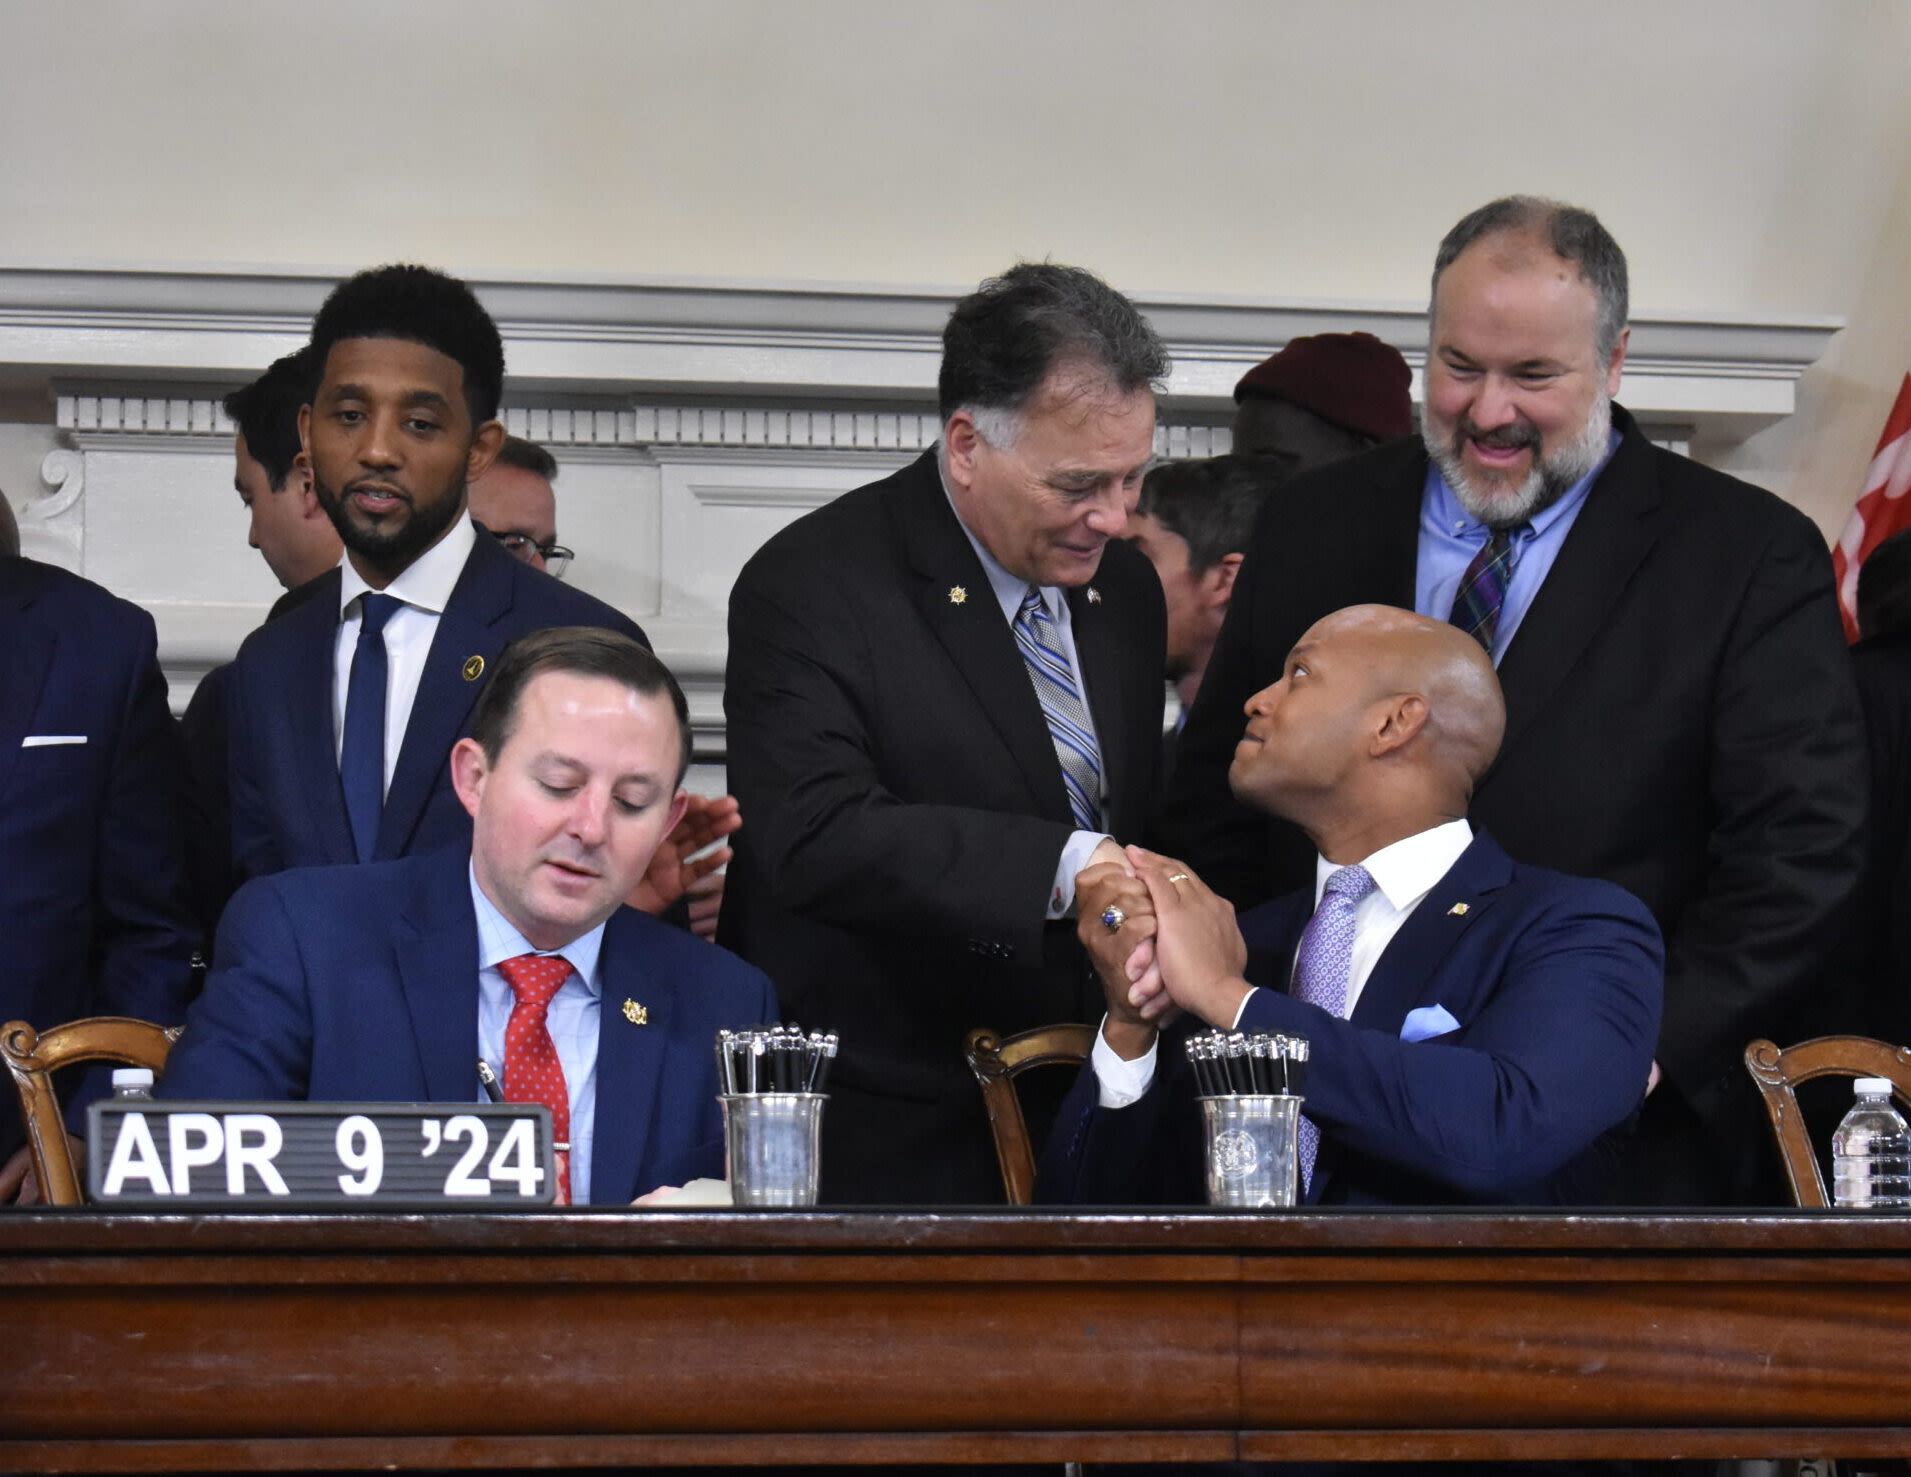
1608, 541
958, 606
1102, 659
437, 956
470, 626
629, 1060
304, 700
1404, 976
23, 662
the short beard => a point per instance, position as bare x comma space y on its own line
393, 551
1550, 480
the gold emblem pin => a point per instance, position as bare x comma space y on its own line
637, 1015
473, 668
1094, 596
958, 595
1458, 910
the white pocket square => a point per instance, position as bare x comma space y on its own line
1427, 1021
48, 740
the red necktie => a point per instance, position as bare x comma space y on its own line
532, 1072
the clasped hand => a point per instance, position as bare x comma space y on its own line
1176, 946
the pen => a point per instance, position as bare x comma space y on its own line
488, 1080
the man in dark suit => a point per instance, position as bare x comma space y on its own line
906, 871
92, 903
1476, 1024
393, 981
1680, 713
339, 729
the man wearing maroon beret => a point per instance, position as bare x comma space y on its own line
1681, 716
1321, 398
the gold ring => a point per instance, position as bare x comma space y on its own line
1179, 877
1112, 918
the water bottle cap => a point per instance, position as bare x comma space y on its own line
132, 1077
1866, 1085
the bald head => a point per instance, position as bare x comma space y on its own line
1413, 654
1382, 722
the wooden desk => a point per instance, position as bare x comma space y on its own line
140, 1343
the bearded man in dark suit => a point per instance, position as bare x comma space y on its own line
1680, 712
944, 697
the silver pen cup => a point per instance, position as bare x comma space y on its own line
1253, 1148
772, 1142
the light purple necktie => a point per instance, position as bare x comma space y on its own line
1321, 970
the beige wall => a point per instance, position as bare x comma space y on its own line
1753, 157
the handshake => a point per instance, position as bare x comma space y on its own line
1162, 942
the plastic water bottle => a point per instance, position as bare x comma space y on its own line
132, 1082
1871, 1152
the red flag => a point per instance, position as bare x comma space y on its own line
1882, 508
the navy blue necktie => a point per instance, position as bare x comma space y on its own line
361, 762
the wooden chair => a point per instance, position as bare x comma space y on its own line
33, 1056
997, 1063
1778, 1074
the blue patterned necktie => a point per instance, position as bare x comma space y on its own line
361, 760
1476, 609
1320, 972
1062, 706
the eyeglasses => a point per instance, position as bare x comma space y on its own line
527, 550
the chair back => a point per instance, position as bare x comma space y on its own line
1778, 1074
997, 1062
33, 1056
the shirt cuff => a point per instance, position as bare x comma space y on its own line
1240, 1010
1121, 1081
1061, 897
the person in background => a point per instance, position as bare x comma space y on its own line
514, 502
288, 525
1323, 397
1192, 524
350, 766
1476, 1024
1681, 718
392, 981
292, 532
944, 697
93, 905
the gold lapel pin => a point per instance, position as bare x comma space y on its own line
473, 668
1458, 910
1094, 596
958, 595
637, 1015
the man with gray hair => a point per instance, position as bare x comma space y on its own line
1680, 712
944, 698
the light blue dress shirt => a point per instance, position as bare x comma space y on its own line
572, 1019
1450, 537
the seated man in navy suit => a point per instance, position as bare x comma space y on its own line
393, 981
1476, 1025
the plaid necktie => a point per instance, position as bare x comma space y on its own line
1476, 609
1062, 706
532, 1072
1321, 970
361, 760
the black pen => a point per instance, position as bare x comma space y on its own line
488, 1080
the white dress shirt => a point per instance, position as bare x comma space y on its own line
571, 1018
1010, 591
425, 588
1403, 872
